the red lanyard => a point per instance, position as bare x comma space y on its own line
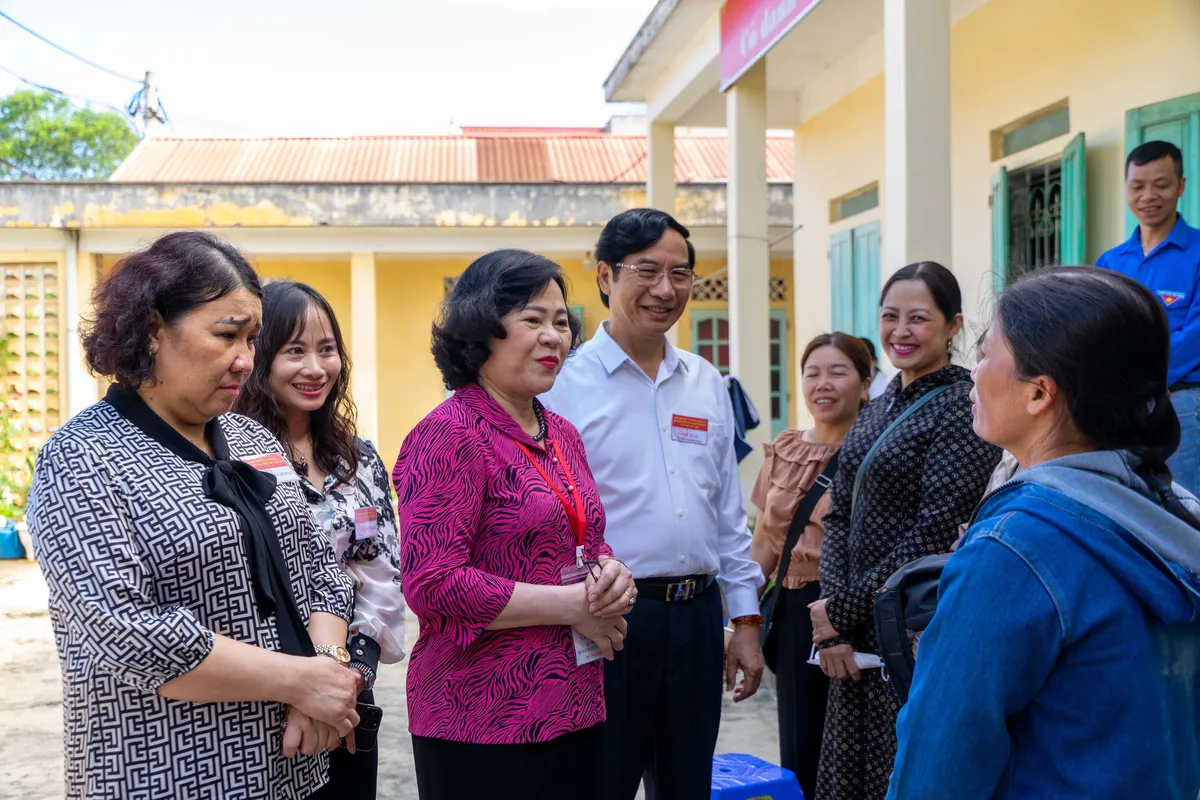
575, 515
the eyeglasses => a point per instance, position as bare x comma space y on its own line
680, 277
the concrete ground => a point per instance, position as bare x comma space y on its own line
31, 703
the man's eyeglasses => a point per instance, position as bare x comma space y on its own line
646, 275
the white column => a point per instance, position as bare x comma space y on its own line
811, 284
81, 388
660, 167
364, 381
916, 187
660, 178
749, 260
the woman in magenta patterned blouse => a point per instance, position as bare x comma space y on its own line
502, 552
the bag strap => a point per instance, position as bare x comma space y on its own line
908, 412
803, 512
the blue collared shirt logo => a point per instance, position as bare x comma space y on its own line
1170, 298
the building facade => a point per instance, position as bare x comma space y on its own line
381, 226
989, 135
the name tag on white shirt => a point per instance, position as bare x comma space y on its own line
692, 430
275, 464
366, 523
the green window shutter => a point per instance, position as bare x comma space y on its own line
1074, 200
577, 312
779, 371
710, 337
841, 275
1176, 121
866, 282
1000, 233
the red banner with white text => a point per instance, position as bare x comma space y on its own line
749, 28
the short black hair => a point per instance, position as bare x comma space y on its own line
632, 232
1143, 154
177, 273
492, 286
940, 281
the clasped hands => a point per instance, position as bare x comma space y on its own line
608, 595
322, 710
836, 661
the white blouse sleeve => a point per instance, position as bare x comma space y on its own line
374, 564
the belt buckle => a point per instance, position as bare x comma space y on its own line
683, 590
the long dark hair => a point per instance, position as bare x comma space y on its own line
1103, 339
332, 427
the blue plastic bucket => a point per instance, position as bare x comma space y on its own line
10, 541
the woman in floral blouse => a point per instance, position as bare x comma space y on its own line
298, 391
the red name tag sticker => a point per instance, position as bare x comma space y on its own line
366, 523
692, 430
275, 464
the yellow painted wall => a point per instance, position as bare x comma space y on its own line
407, 297
329, 277
1012, 57
1008, 59
837, 152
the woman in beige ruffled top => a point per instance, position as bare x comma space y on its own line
835, 380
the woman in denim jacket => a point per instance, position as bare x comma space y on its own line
1064, 658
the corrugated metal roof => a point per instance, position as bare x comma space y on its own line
542, 157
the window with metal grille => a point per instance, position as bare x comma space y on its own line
32, 307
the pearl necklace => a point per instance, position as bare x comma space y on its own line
541, 420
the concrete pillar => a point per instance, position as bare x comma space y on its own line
660, 167
749, 260
811, 284
364, 379
82, 389
916, 186
660, 179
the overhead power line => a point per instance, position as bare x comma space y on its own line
73, 55
61, 93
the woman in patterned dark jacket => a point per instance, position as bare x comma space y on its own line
299, 392
192, 597
924, 479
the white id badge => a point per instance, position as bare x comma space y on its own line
586, 651
274, 464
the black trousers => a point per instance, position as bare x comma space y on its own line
663, 698
802, 689
562, 767
353, 777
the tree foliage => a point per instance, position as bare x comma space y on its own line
48, 138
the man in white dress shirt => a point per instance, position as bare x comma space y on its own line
658, 428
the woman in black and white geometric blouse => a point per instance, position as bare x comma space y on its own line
192, 597
299, 391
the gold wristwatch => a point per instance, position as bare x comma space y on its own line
334, 651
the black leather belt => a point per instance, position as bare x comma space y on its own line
673, 590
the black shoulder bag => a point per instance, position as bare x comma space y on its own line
770, 599
907, 600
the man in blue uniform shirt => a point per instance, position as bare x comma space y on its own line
1164, 255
